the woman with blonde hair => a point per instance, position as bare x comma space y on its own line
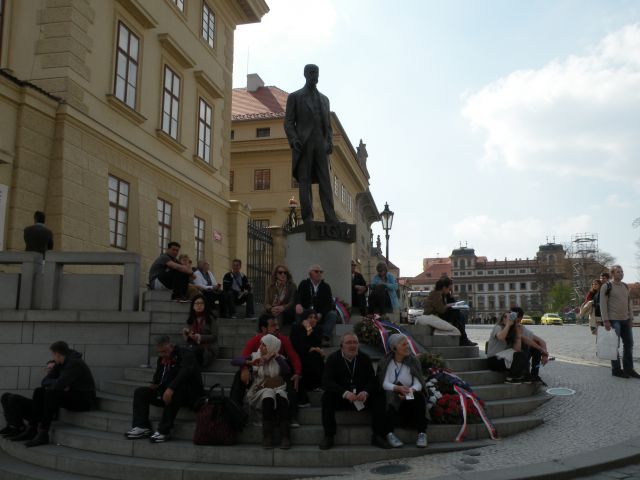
280, 299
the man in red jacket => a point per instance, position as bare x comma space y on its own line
269, 325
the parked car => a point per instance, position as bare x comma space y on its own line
416, 304
527, 320
551, 319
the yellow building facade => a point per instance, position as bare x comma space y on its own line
261, 165
116, 123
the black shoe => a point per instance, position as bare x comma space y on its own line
42, 438
632, 373
620, 373
10, 431
28, 434
380, 441
538, 380
514, 381
326, 443
465, 342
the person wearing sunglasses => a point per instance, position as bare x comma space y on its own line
280, 299
315, 294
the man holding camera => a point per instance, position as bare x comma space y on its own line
515, 349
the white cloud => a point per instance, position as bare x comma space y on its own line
577, 116
615, 201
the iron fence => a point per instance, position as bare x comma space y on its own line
259, 259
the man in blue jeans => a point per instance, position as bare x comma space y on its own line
617, 313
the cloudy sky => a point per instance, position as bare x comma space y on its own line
498, 124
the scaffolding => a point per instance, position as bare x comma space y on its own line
583, 253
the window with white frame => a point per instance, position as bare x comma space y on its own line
126, 74
179, 4
208, 24
170, 102
199, 232
118, 212
164, 223
204, 130
336, 188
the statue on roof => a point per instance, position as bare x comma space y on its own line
307, 124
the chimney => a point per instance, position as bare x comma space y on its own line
254, 82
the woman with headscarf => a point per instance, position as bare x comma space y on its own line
400, 376
200, 332
280, 299
268, 392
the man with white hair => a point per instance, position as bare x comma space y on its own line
617, 313
315, 294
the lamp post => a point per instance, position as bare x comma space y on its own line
387, 223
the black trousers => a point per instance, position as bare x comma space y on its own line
210, 297
176, 281
16, 408
46, 403
519, 366
332, 402
231, 300
410, 412
275, 412
457, 319
143, 397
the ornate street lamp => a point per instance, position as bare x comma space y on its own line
387, 223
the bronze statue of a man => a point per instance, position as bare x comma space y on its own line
307, 124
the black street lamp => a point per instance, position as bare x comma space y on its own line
387, 223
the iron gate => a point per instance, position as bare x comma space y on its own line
259, 259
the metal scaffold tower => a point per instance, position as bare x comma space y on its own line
582, 251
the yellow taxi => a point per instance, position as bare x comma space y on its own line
527, 320
551, 319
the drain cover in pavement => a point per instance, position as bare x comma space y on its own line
391, 469
560, 391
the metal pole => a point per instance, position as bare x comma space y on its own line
386, 234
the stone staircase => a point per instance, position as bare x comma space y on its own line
91, 444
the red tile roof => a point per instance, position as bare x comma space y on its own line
264, 103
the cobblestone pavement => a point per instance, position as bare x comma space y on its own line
601, 413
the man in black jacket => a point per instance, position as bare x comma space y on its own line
315, 294
236, 290
358, 290
176, 383
37, 237
73, 389
349, 383
18, 408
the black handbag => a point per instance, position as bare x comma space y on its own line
219, 418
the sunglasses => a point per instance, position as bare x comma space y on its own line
317, 271
281, 272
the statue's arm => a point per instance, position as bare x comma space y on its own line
329, 129
290, 121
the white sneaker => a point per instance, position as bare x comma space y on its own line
394, 441
159, 437
421, 442
137, 432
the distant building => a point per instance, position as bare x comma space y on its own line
434, 268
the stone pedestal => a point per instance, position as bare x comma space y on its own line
325, 244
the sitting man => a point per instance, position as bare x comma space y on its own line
349, 382
18, 409
73, 389
237, 290
205, 282
267, 324
176, 383
167, 272
315, 294
436, 304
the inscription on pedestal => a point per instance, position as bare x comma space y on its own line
341, 232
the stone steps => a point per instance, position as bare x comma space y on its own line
511, 416
14, 469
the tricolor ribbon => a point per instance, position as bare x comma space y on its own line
384, 327
462, 394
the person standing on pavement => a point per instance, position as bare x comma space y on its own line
617, 313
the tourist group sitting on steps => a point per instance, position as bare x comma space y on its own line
277, 373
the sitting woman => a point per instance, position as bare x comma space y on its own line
268, 392
504, 349
384, 292
307, 341
400, 376
280, 300
200, 332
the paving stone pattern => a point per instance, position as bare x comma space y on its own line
602, 412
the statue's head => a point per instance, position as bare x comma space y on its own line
311, 73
